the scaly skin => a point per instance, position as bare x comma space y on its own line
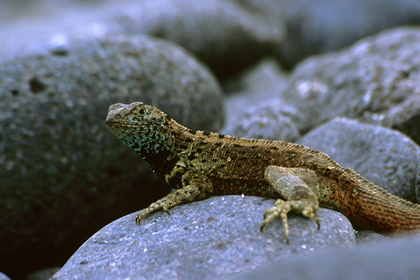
200, 165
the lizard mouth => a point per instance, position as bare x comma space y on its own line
119, 124
115, 125
122, 124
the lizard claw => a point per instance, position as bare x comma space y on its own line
281, 208
149, 210
139, 218
146, 212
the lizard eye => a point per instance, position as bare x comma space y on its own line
142, 111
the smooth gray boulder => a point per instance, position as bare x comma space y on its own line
207, 239
386, 260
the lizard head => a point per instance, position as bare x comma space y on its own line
141, 127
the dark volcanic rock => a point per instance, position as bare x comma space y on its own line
225, 35
271, 119
376, 80
388, 259
314, 27
62, 174
248, 116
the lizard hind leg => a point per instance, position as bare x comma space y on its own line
297, 186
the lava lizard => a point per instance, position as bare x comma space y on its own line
200, 164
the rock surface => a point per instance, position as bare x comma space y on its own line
271, 119
208, 239
63, 175
390, 259
329, 25
376, 80
253, 107
3, 276
226, 35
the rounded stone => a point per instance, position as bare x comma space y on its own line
330, 25
208, 239
226, 35
376, 80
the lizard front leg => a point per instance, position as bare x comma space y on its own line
193, 192
296, 186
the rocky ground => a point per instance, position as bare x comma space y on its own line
343, 78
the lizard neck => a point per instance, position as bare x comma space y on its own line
168, 146
160, 145
155, 146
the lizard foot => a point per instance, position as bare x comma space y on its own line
296, 186
193, 192
281, 208
156, 206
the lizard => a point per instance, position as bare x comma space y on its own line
200, 164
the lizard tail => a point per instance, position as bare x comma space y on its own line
378, 210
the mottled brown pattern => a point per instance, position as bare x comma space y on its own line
201, 164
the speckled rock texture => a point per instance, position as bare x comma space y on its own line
388, 259
314, 27
209, 239
254, 109
62, 174
270, 119
376, 80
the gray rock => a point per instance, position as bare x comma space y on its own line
208, 239
263, 81
226, 35
328, 25
62, 174
3, 276
24, 24
367, 236
375, 80
382, 155
43, 274
418, 184
271, 119
386, 260
253, 112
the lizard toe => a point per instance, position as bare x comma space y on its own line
280, 209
